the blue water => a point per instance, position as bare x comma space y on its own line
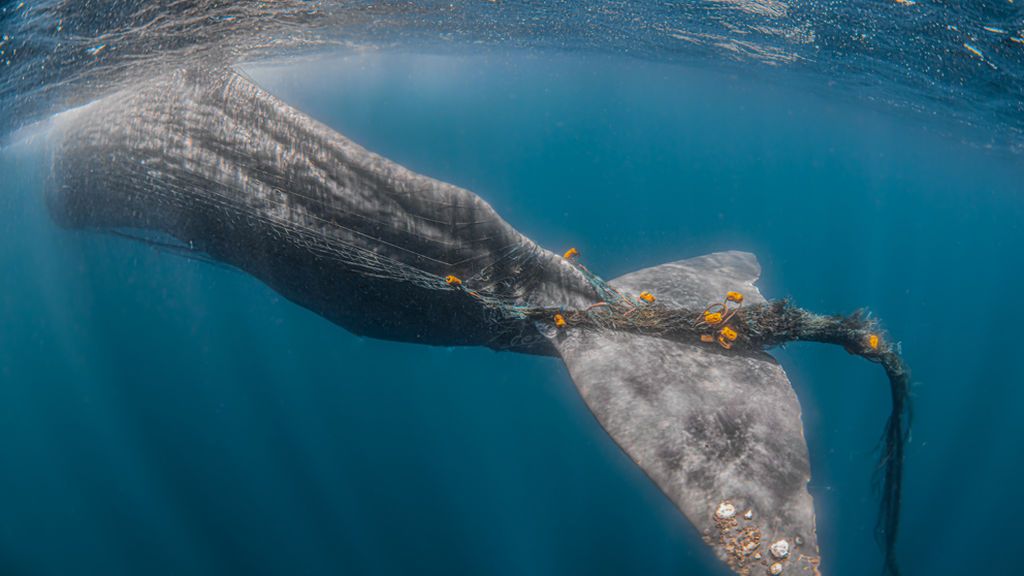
165, 416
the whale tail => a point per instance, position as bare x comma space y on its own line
719, 432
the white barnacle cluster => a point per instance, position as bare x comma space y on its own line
725, 511
779, 549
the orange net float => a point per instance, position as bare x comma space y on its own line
713, 315
726, 337
873, 341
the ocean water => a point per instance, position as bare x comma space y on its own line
160, 415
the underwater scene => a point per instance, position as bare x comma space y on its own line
496, 287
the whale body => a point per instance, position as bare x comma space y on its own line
207, 157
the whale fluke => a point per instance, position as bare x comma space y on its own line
719, 433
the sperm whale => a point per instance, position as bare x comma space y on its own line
210, 159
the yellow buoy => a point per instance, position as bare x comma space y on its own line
873, 341
571, 253
559, 320
713, 317
453, 280
647, 296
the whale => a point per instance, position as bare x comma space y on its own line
207, 159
